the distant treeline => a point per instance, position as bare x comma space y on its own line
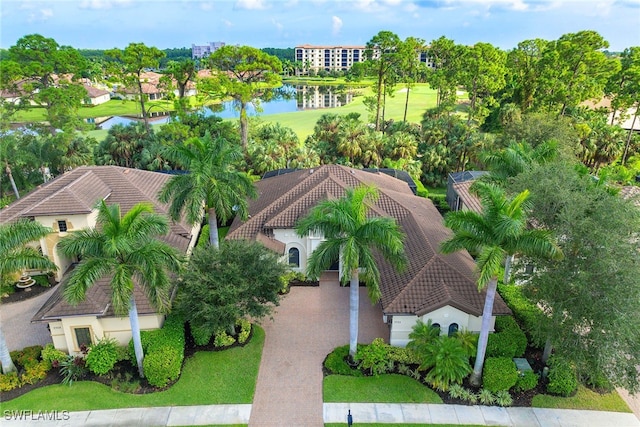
180, 54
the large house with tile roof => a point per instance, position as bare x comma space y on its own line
436, 287
68, 203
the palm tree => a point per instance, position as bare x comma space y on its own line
212, 183
126, 250
349, 236
15, 256
494, 235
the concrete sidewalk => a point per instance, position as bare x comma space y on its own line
382, 413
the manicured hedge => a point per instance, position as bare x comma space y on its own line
102, 356
499, 373
163, 351
526, 314
508, 340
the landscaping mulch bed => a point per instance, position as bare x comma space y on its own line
25, 294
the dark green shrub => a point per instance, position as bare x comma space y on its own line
201, 335
102, 356
528, 380
500, 345
469, 341
373, 357
336, 363
167, 341
122, 353
526, 314
499, 373
9, 381
162, 365
562, 377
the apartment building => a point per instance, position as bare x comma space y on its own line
198, 52
337, 58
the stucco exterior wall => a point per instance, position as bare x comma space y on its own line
402, 325
306, 245
119, 328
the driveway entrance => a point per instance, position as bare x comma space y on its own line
309, 323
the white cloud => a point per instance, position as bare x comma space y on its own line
277, 24
250, 4
40, 15
336, 25
46, 13
102, 4
206, 6
227, 23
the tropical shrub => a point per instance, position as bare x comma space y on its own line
508, 326
456, 391
373, 357
449, 363
51, 354
201, 334
28, 356
469, 341
222, 339
528, 380
486, 397
102, 356
34, 373
526, 313
422, 338
469, 396
402, 355
499, 373
9, 381
163, 365
72, 369
503, 398
245, 330
562, 377
598, 381
336, 362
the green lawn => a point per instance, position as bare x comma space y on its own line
207, 378
421, 98
584, 399
381, 389
403, 425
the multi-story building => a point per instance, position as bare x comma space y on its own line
337, 58
198, 52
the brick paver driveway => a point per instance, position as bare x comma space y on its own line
15, 320
309, 323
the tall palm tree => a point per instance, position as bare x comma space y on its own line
350, 237
494, 235
212, 183
127, 251
15, 256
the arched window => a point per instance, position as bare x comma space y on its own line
294, 257
453, 328
436, 326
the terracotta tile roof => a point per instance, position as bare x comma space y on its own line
470, 200
94, 92
76, 192
431, 280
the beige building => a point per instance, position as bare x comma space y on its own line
437, 287
67, 204
337, 58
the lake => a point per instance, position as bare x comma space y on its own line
285, 99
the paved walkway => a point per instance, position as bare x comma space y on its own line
15, 320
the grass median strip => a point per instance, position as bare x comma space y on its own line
208, 378
381, 389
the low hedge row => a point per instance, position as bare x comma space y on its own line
527, 314
508, 340
31, 365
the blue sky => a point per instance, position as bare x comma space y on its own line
104, 24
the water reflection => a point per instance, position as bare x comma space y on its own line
285, 99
